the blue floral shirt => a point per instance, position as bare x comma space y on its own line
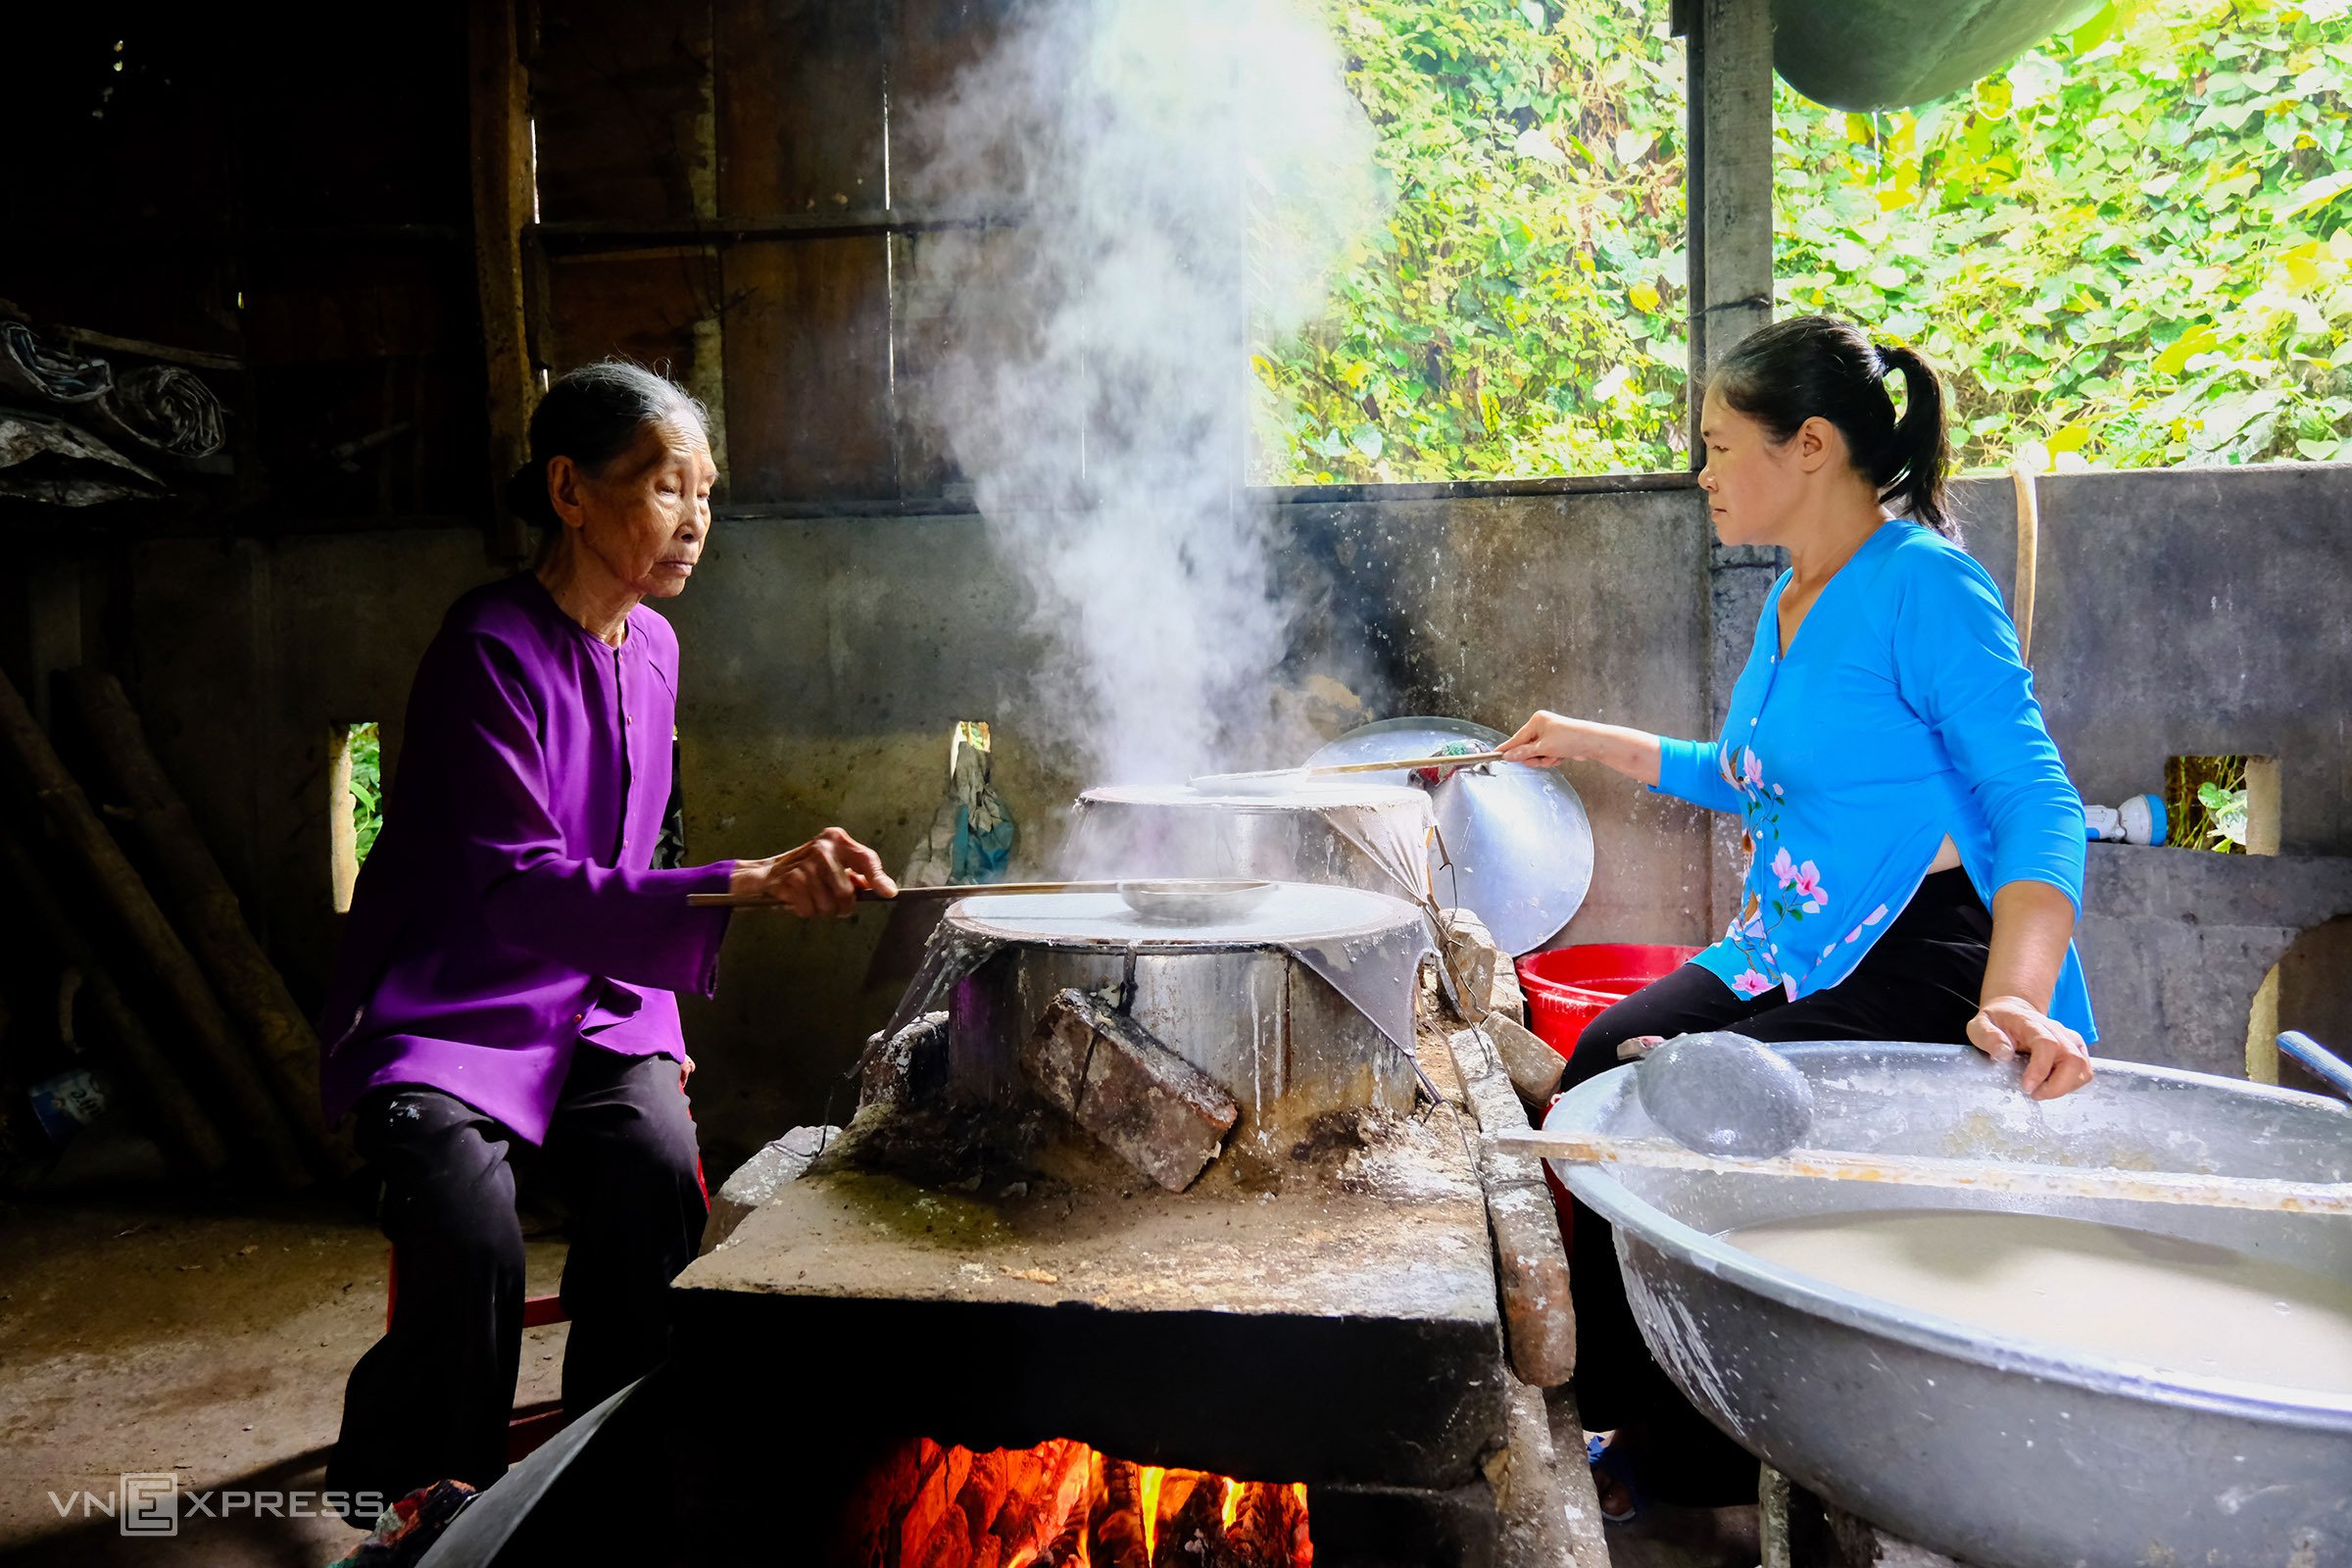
1901, 713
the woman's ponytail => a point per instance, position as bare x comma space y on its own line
1921, 450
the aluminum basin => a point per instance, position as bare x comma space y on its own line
2004, 1452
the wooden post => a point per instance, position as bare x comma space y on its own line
505, 192
117, 883
208, 915
139, 1063
1728, 58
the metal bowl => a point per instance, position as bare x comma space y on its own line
1196, 901
2002, 1450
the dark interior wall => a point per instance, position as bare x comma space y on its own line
293, 206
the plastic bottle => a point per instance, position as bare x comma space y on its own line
2138, 820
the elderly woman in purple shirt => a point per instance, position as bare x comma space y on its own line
509, 969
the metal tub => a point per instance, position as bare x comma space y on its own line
2003, 1452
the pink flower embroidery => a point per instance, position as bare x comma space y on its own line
1748, 983
1752, 768
1875, 915
1803, 881
1777, 789
1855, 935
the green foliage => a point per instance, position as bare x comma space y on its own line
367, 752
2130, 246
2228, 808
1522, 309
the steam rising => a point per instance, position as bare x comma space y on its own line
1184, 176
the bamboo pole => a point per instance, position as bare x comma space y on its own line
118, 884
181, 1122
209, 915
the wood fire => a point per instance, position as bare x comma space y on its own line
1063, 1505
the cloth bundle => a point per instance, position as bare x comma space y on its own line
159, 406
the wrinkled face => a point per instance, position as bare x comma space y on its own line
1754, 484
645, 517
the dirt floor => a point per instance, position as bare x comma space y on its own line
210, 1337
206, 1337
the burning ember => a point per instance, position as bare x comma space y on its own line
1062, 1506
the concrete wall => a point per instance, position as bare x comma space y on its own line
824, 661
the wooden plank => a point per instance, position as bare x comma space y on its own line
800, 96
621, 97
646, 307
659, 308
502, 205
964, 300
934, 42
808, 370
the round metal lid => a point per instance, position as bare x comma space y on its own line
1519, 842
1296, 913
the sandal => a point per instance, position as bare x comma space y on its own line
1611, 1463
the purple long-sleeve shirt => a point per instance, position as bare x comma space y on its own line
509, 910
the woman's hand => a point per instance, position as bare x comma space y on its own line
2057, 1062
1545, 741
1549, 739
820, 877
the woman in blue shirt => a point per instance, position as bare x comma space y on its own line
1918, 850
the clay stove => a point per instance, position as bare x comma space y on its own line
1145, 1248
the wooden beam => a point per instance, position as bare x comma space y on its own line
503, 203
599, 237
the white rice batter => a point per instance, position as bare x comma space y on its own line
2131, 1295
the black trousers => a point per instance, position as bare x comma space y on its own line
431, 1399
1919, 981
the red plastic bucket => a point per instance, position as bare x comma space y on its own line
1567, 988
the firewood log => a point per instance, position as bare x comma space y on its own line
191, 883
1116, 1531
136, 1062
259, 1121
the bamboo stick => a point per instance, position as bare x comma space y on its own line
1977, 1175
209, 915
119, 884
745, 900
181, 1122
